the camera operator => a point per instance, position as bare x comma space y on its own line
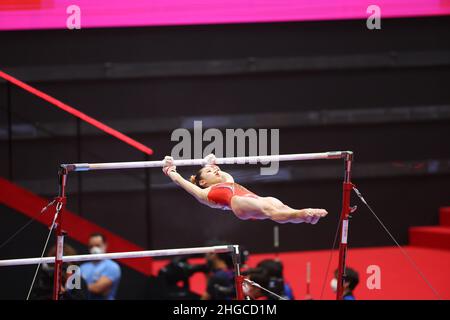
43, 289
220, 283
173, 280
220, 276
268, 274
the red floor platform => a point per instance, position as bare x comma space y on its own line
433, 236
399, 280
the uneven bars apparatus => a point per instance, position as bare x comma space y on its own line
61, 201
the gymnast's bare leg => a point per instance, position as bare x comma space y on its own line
273, 209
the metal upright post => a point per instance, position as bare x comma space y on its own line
239, 279
60, 203
344, 224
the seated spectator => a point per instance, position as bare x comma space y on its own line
102, 276
350, 282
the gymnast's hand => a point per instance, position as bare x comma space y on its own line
168, 166
209, 160
313, 215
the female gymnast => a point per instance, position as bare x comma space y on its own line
217, 189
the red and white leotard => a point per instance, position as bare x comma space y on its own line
222, 193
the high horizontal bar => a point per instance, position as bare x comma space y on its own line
119, 255
200, 162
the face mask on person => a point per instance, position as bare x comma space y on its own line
333, 284
96, 250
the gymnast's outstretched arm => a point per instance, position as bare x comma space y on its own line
197, 192
170, 170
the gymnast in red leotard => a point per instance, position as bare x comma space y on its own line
217, 189
223, 192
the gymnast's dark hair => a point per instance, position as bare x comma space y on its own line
98, 234
195, 179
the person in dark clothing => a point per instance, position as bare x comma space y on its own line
43, 288
220, 284
172, 282
274, 269
268, 274
350, 282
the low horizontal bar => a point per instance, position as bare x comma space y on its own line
200, 162
119, 255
